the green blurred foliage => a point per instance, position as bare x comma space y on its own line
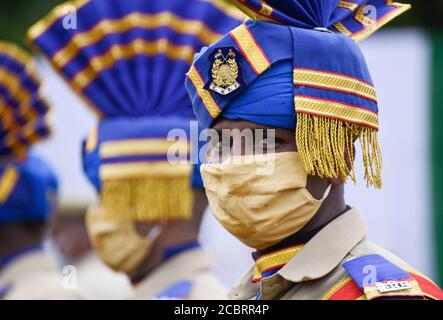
16, 16
424, 13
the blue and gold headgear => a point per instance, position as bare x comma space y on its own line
127, 60
296, 66
28, 186
28, 190
24, 112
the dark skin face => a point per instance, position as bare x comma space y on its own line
23, 234
70, 235
172, 233
20, 235
285, 142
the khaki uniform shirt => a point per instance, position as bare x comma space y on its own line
188, 275
34, 276
100, 282
316, 271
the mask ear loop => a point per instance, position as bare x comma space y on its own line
153, 234
327, 192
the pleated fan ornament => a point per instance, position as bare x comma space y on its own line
28, 185
357, 19
24, 113
128, 60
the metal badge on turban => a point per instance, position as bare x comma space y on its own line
225, 72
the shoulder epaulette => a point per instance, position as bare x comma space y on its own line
376, 277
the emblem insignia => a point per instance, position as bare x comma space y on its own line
391, 286
225, 73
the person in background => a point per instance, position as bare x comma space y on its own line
128, 63
70, 243
28, 186
296, 69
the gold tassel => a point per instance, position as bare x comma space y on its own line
372, 157
326, 148
148, 199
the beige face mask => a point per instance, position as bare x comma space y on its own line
262, 199
117, 243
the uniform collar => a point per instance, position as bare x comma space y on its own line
316, 259
184, 265
172, 251
271, 262
10, 258
330, 246
36, 260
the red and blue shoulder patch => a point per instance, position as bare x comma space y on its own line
373, 277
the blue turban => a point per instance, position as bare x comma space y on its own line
297, 66
128, 63
119, 130
26, 182
28, 191
269, 100
24, 111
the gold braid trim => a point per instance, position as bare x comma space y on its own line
326, 148
148, 199
8, 181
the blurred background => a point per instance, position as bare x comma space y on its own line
406, 216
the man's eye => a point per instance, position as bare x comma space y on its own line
226, 143
218, 146
213, 152
266, 141
214, 146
